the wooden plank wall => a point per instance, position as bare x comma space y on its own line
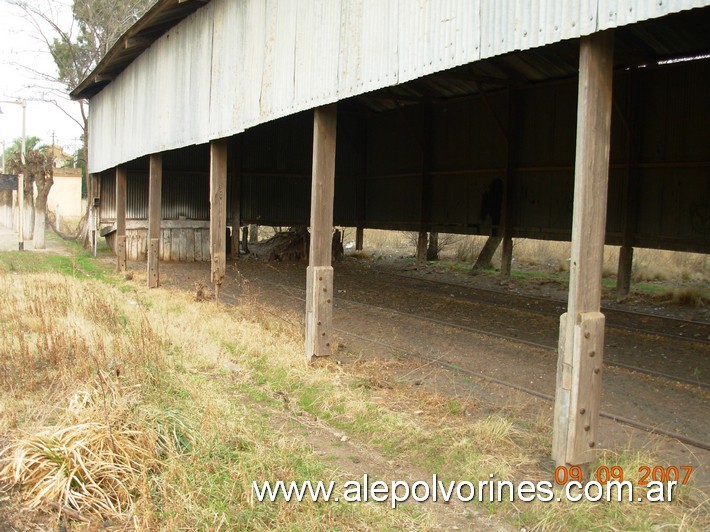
176, 244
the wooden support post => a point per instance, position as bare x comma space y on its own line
578, 389
319, 278
218, 211
630, 196
359, 238
121, 218
425, 205
155, 185
506, 259
236, 197
623, 273
432, 250
421, 248
245, 238
254, 234
508, 217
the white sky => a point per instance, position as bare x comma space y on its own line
20, 48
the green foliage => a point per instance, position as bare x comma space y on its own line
38, 161
100, 23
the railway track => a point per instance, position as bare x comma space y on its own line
546, 397
686, 330
516, 339
288, 291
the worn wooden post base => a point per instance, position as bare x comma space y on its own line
319, 311
421, 248
218, 211
359, 238
506, 260
578, 400
623, 275
153, 263
121, 253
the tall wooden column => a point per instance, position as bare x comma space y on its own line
236, 197
319, 277
155, 185
121, 218
508, 215
420, 257
359, 238
218, 211
578, 393
425, 205
94, 195
630, 195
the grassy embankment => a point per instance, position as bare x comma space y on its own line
186, 403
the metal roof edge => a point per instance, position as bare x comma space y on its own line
164, 15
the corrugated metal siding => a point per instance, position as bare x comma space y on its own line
613, 13
673, 196
278, 199
183, 195
232, 65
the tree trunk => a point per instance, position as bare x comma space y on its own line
6, 219
44, 185
432, 252
483, 262
40, 220
38, 241
29, 216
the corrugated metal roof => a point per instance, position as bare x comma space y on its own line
232, 65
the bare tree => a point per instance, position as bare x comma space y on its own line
38, 172
77, 46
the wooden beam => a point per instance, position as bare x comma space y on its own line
98, 78
623, 273
155, 185
582, 327
121, 218
95, 210
426, 129
319, 277
508, 214
245, 238
359, 238
236, 196
218, 211
135, 42
421, 248
630, 193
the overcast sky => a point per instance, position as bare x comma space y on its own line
19, 49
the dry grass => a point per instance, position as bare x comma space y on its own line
93, 455
690, 296
97, 458
124, 449
231, 374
